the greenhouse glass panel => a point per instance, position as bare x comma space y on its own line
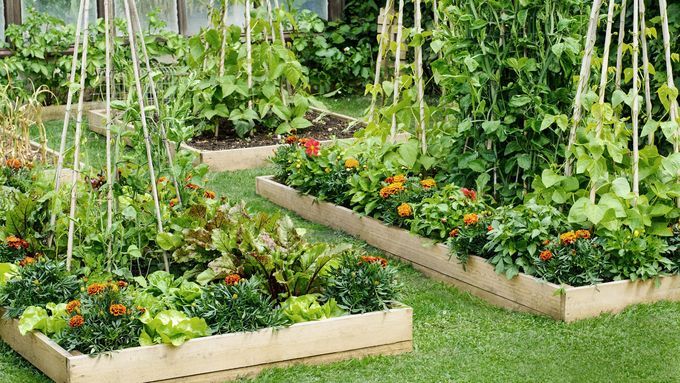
320, 7
166, 12
66, 10
197, 15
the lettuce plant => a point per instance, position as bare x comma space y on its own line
171, 327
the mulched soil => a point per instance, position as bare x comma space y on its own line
326, 127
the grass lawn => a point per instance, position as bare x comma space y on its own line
461, 338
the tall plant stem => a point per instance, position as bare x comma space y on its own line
379, 59
583, 81
67, 117
645, 69
154, 95
145, 128
108, 33
76, 145
669, 74
619, 52
397, 70
249, 53
419, 78
636, 101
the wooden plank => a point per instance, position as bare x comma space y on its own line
613, 297
479, 277
249, 350
41, 351
57, 112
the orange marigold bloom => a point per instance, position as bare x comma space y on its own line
26, 261
351, 163
14, 163
117, 310
192, 186
290, 140
546, 242
428, 183
369, 259
303, 141
122, 284
398, 178
471, 194
312, 147
76, 321
454, 233
489, 228
545, 255
162, 180
404, 210
568, 238
585, 234
209, 194
73, 306
16, 242
95, 288
174, 202
470, 219
391, 189
232, 279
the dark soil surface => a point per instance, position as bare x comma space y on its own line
326, 127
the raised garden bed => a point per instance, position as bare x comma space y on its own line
57, 112
222, 357
250, 157
523, 293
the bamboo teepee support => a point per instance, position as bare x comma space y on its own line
137, 27
381, 51
223, 28
583, 81
271, 20
397, 69
645, 70
636, 101
619, 51
108, 36
78, 133
142, 113
420, 81
67, 117
249, 51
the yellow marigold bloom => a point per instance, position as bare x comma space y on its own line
428, 183
568, 238
404, 210
470, 219
351, 163
391, 189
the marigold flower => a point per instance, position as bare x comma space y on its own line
391, 189
76, 321
568, 238
545, 255
303, 141
117, 310
546, 242
290, 140
26, 261
312, 147
470, 219
454, 233
95, 288
585, 234
209, 194
232, 279
192, 186
162, 180
489, 228
398, 178
14, 163
428, 183
369, 259
73, 306
351, 163
122, 284
174, 202
16, 242
471, 194
405, 210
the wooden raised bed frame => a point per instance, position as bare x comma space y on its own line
232, 159
222, 357
523, 293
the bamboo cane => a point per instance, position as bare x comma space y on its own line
223, 26
154, 97
283, 42
271, 20
636, 102
76, 145
109, 171
397, 70
205, 44
419, 77
142, 113
619, 52
249, 53
645, 69
378, 60
583, 80
669, 74
67, 117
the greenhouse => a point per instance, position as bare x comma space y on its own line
339, 191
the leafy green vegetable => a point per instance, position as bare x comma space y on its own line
36, 318
306, 308
171, 327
